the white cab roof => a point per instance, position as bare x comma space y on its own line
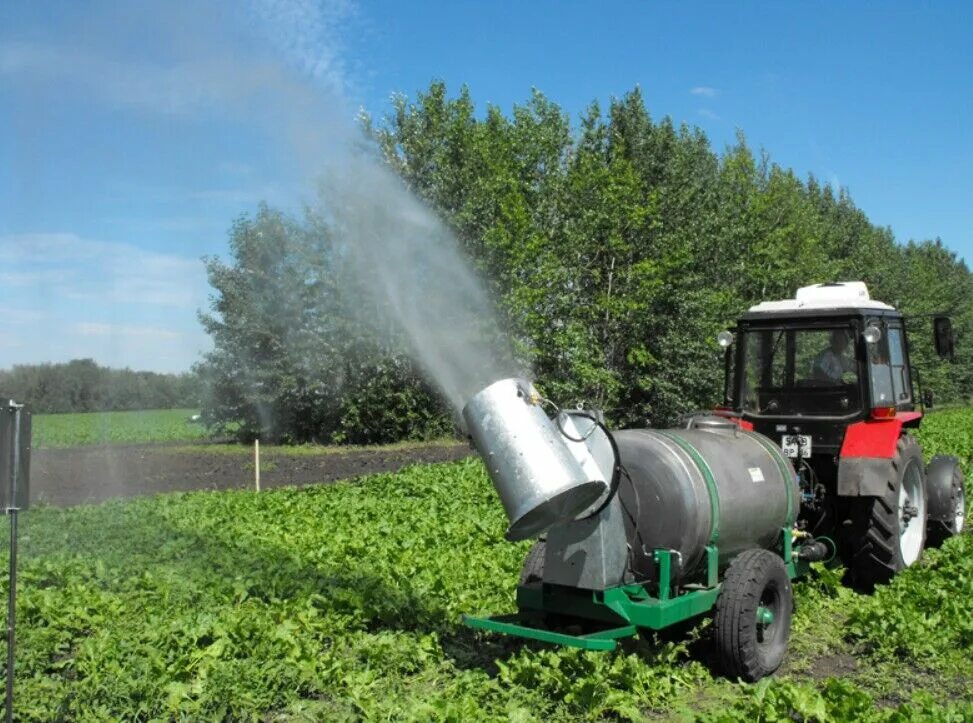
840, 295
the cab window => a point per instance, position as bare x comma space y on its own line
901, 384
880, 373
889, 373
799, 371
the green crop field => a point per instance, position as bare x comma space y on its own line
343, 602
156, 425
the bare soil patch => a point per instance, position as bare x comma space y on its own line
80, 475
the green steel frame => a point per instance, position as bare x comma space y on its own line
623, 610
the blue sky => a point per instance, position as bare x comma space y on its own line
131, 135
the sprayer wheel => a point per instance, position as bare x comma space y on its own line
533, 569
753, 615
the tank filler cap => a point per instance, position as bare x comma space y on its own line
710, 422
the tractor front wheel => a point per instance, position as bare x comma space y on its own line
888, 533
753, 615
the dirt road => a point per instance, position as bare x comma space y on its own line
80, 475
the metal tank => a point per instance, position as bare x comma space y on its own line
542, 476
710, 483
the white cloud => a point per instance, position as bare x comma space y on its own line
91, 328
308, 32
707, 113
64, 264
218, 67
21, 280
273, 193
177, 89
704, 90
14, 315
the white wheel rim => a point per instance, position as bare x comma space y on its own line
912, 514
959, 509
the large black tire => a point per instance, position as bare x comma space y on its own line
533, 569
747, 647
888, 533
947, 499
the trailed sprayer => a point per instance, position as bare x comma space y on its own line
808, 459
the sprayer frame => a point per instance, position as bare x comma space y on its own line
626, 608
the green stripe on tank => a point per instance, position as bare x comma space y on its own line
785, 470
714, 496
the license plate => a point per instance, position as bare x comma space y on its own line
792, 443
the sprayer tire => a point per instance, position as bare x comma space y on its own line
875, 539
747, 648
533, 569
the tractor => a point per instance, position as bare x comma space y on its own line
808, 459
827, 376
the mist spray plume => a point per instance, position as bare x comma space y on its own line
416, 271
272, 71
407, 262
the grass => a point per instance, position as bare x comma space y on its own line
173, 425
307, 450
157, 425
343, 602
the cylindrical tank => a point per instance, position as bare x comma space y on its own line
711, 483
540, 479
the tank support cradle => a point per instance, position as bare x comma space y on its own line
617, 612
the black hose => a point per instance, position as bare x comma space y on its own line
616, 466
617, 472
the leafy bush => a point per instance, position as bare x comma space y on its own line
390, 404
926, 616
835, 700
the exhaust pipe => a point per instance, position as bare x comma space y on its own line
541, 479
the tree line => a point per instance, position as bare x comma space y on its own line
616, 250
81, 385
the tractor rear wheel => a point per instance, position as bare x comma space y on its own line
947, 499
753, 615
533, 569
888, 533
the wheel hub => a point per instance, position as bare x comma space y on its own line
959, 510
909, 511
765, 616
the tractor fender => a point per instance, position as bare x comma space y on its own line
865, 459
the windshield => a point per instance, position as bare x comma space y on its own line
808, 372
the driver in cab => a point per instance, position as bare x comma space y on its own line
833, 362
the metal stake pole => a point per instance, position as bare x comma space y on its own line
12, 583
256, 463
11, 612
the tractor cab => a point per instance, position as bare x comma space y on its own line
802, 370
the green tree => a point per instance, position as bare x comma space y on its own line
615, 250
297, 348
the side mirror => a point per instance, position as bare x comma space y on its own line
943, 337
927, 399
